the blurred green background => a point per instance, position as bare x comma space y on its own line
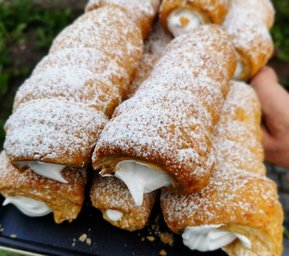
27, 28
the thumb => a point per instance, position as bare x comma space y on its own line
273, 97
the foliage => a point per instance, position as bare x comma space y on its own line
280, 31
3, 253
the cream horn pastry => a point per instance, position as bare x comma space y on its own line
143, 12
37, 196
249, 22
162, 135
61, 109
113, 199
238, 210
183, 16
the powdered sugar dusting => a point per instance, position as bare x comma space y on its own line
60, 111
70, 84
64, 199
107, 29
168, 120
106, 68
50, 129
230, 195
142, 12
111, 193
248, 23
237, 185
212, 11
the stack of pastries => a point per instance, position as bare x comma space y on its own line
61, 109
156, 117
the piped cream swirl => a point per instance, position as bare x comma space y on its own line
140, 179
210, 238
28, 206
50, 171
113, 215
183, 21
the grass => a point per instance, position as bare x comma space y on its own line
280, 31
4, 253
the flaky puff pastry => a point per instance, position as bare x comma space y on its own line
248, 22
211, 11
169, 122
65, 200
113, 35
243, 201
238, 136
61, 109
109, 193
142, 11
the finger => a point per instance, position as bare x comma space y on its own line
273, 97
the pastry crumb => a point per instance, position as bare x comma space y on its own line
151, 238
163, 252
83, 237
88, 241
167, 238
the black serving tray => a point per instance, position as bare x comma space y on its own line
43, 236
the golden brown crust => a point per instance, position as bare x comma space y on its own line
65, 200
110, 193
68, 84
242, 200
249, 30
53, 131
102, 30
212, 11
87, 73
142, 11
238, 136
171, 118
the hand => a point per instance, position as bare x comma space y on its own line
275, 107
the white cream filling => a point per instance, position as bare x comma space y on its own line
51, 171
113, 215
140, 179
183, 21
239, 70
210, 238
28, 206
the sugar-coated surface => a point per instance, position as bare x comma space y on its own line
105, 68
68, 83
108, 29
211, 11
139, 9
51, 128
64, 199
60, 111
237, 186
170, 119
111, 193
248, 22
222, 201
